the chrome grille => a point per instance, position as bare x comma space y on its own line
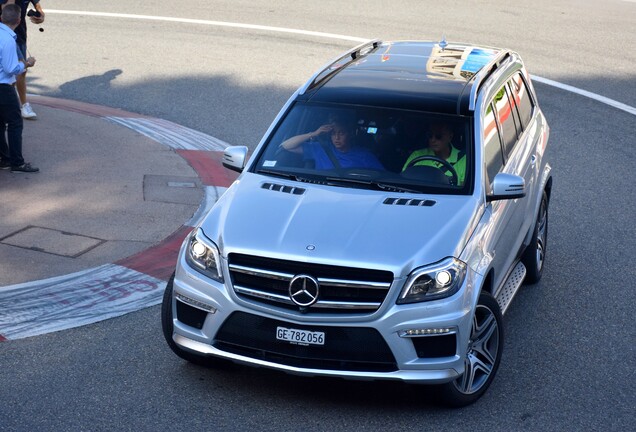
342, 289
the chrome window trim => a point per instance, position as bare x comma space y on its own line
488, 91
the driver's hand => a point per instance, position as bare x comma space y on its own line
323, 129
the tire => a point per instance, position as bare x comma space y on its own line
168, 328
534, 255
482, 357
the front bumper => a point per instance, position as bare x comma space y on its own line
391, 321
413, 376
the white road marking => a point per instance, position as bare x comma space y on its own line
171, 134
211, 23
599, 98
63, 302
621, 106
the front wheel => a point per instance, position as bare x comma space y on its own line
534, 255
482, 355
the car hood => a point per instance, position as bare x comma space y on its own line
338, 226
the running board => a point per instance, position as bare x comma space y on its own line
510, 288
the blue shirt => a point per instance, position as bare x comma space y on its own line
356, 157
9, 64
21, 29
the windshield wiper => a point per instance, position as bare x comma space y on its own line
278, 174
373, 184
289, 176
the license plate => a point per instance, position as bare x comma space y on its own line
300, 337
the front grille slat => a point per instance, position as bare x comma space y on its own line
324, 304
347, 305
352, 283
342, 289
260, 272
263, 295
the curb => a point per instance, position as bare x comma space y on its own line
132, 283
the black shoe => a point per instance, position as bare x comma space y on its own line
25, 168
5, 165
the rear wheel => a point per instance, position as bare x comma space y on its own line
168, 328
534, 255
482, 355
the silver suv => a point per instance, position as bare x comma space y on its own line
380, 229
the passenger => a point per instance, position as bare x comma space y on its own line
440, 139
339, 152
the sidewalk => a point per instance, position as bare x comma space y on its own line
108, 200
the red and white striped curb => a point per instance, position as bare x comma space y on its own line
130, 284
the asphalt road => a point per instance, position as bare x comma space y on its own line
569, 357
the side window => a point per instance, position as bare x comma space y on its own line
492, 145
515, 113
506, 120
522, 99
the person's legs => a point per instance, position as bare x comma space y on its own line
20, 84
10, 107
4, 148
10, 114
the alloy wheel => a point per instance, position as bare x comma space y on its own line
483, 349
542, 236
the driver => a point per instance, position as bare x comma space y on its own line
440, 137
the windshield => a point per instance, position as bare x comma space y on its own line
368, 147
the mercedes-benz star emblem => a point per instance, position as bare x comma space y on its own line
303, 290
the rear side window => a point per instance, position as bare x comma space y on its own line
522, 99
506, 120
492, 145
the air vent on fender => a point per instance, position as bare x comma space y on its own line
283, 188
409, 202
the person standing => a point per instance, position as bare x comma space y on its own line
10, 112
21, 32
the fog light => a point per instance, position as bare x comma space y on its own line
424, 332
195, 303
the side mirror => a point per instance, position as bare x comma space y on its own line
234, 158
507, 186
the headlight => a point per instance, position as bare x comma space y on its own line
203, 255
439, 280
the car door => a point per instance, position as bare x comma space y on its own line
525, 158
503, 153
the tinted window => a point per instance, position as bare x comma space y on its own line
371, 147
522, 99
515, 113
506, 120
492, 145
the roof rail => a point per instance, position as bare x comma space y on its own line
484, 73
329, 70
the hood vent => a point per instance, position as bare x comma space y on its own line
409, 202
283, 188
